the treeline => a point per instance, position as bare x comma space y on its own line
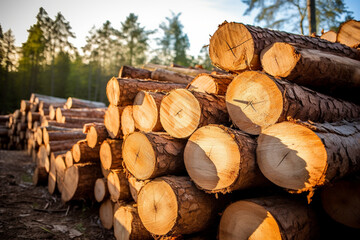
48, 63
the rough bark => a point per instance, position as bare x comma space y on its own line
96, 135
80, 120
236, 47
324, 72
36, 98
349, 33
80, 113
170, 76
111, 154
82, 103
118, 186
150, 155
122, 92
61, 145
303, 156
135, 73
256, 101
82, 153
183, 111
210, 83
67, 134
268, 218
172, 204
221, 159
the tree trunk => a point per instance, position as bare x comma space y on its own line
236, 47
341, 201
60, 172
183, 111
324, 72
135, 186
127, 224
55, 104
61, 135
96, 135
79, 181
82, 103
79, 124
268, 218
101, 191
349, 34
311, 10
146, 109
174, 205
80, 113
122, 92
210, 83
329, 35
127, 120
82, 153
302, 157
112, 121
106, 213
256, 100
150, 155
170, 76
42, 160
118, 186
111, 154
134, 73
221, 159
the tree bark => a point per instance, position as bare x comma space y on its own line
96, 135
118, 186
183, 70
127, 224
101, 191
111, 154
79, 181
210, 83
256, 101
69, 134
122, 92
221, 159
80, 113
324, 72
134, 73
150, 155
82, 103
183, 111
160, 74
349, 33
61, 145
82, 153
268, 218
36, 98
112, 121
301, 157
80, 121
127, 120
191, 209
146, 109
236, 47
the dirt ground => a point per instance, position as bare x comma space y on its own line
30, 212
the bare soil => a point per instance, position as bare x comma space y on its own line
30, 212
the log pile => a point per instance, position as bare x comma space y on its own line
171, 160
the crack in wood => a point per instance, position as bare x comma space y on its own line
178, 112
230, 48
283, 159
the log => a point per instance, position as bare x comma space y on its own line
42, 159
122, 92
80, 121
80, 113
3, 131
341, 202
46, 105
183, 111
74, 133
236, 47
52, 175
268, 218
302, 156
33, 116
118, 185
25, 106
127, 120
210, 83
256, 101
52, 112
349, 33
61, 145
82, 103
112, 121
183, 70
150, 155
221, 159
21, 127
79, 181
82, 153
96, 135
321, 71
127, 224
135, 186
146, 109
329, 36
134, 73
40, 176
174, 205
106, 213
44, 112
69, 159
60, 172
4, 118
160, 74
101, 191
45, 123
111, 155
37, 98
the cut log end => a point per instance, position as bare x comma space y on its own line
349, 33
292, 156
232, 48
100, 189
71, 180
158, 207
127, 120
204, 158
145, 112
254, 102
113, 91
106, 214
112, 121
92, 137
118, 186
180, 113
139, 155
248, 220
330, 36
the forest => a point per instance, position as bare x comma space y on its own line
48, 63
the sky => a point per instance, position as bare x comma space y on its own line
200, 18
